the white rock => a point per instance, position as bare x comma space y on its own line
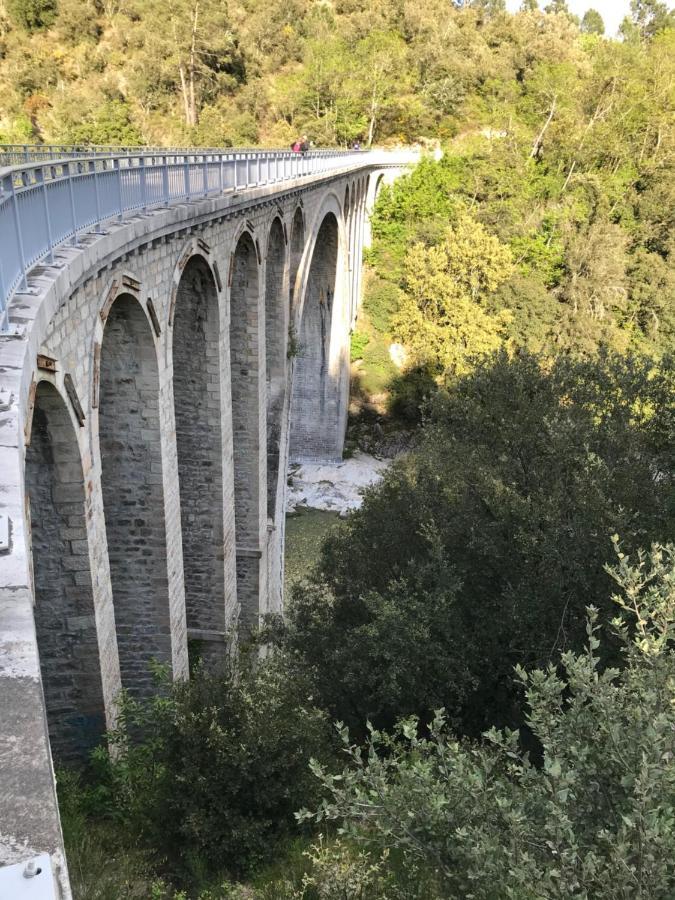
337, 486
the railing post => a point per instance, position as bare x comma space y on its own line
19, 238
187, 176
3, 301
248, 171
71, 193
117, 168
165, 180
45, 204
205, 176
234, 163
98, 199
221, 180
144, 200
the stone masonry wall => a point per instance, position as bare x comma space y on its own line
197, 403
314, 381
276, 329
133, 501
244, 359
64, 608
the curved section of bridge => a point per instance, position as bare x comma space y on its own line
172, 326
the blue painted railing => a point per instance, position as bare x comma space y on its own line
50, 195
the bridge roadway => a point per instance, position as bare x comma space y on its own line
174, 326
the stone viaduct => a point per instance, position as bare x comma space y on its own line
157, 371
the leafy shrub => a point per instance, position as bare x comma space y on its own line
481, 548
208, 775
595, 820
409, 392
32, 14
358, 344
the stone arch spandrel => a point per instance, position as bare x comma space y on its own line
133, 496
65, 622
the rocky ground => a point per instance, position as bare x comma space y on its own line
337, 487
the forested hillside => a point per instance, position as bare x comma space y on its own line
261, 71
516, 568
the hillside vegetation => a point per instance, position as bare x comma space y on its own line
207, 72
481, 664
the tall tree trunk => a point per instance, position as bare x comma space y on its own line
184, 92
373, 114
540, 137
193, 67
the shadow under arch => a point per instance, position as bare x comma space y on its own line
245, 366
276, 328
133, 495
197, 409
297, 249
320, 374
65, 622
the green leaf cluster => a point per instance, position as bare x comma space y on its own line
481, 548
591, 816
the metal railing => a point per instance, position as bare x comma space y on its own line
16, 154
45, 204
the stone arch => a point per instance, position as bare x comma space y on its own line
245, 365
379, 181
65, 622
320, 379
297, 249
276, 328
197, 410
133, 496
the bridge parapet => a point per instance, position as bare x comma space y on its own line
46, 204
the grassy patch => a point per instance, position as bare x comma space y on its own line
305, 532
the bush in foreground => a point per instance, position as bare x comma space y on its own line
594, 820
208, 776
480, 549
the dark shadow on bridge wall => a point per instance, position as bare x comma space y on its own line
133, 498
197, 407
297, 249
275, 345
315, 397
64, 606
245, 368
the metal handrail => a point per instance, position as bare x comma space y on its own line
43, 205
16, 154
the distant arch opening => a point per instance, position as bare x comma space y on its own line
197, 408
245, 368
133, 497
297, 249
64, 606
315, 403
275, 352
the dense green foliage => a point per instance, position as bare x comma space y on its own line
206, 777
481, 549
594, 820
210, 73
